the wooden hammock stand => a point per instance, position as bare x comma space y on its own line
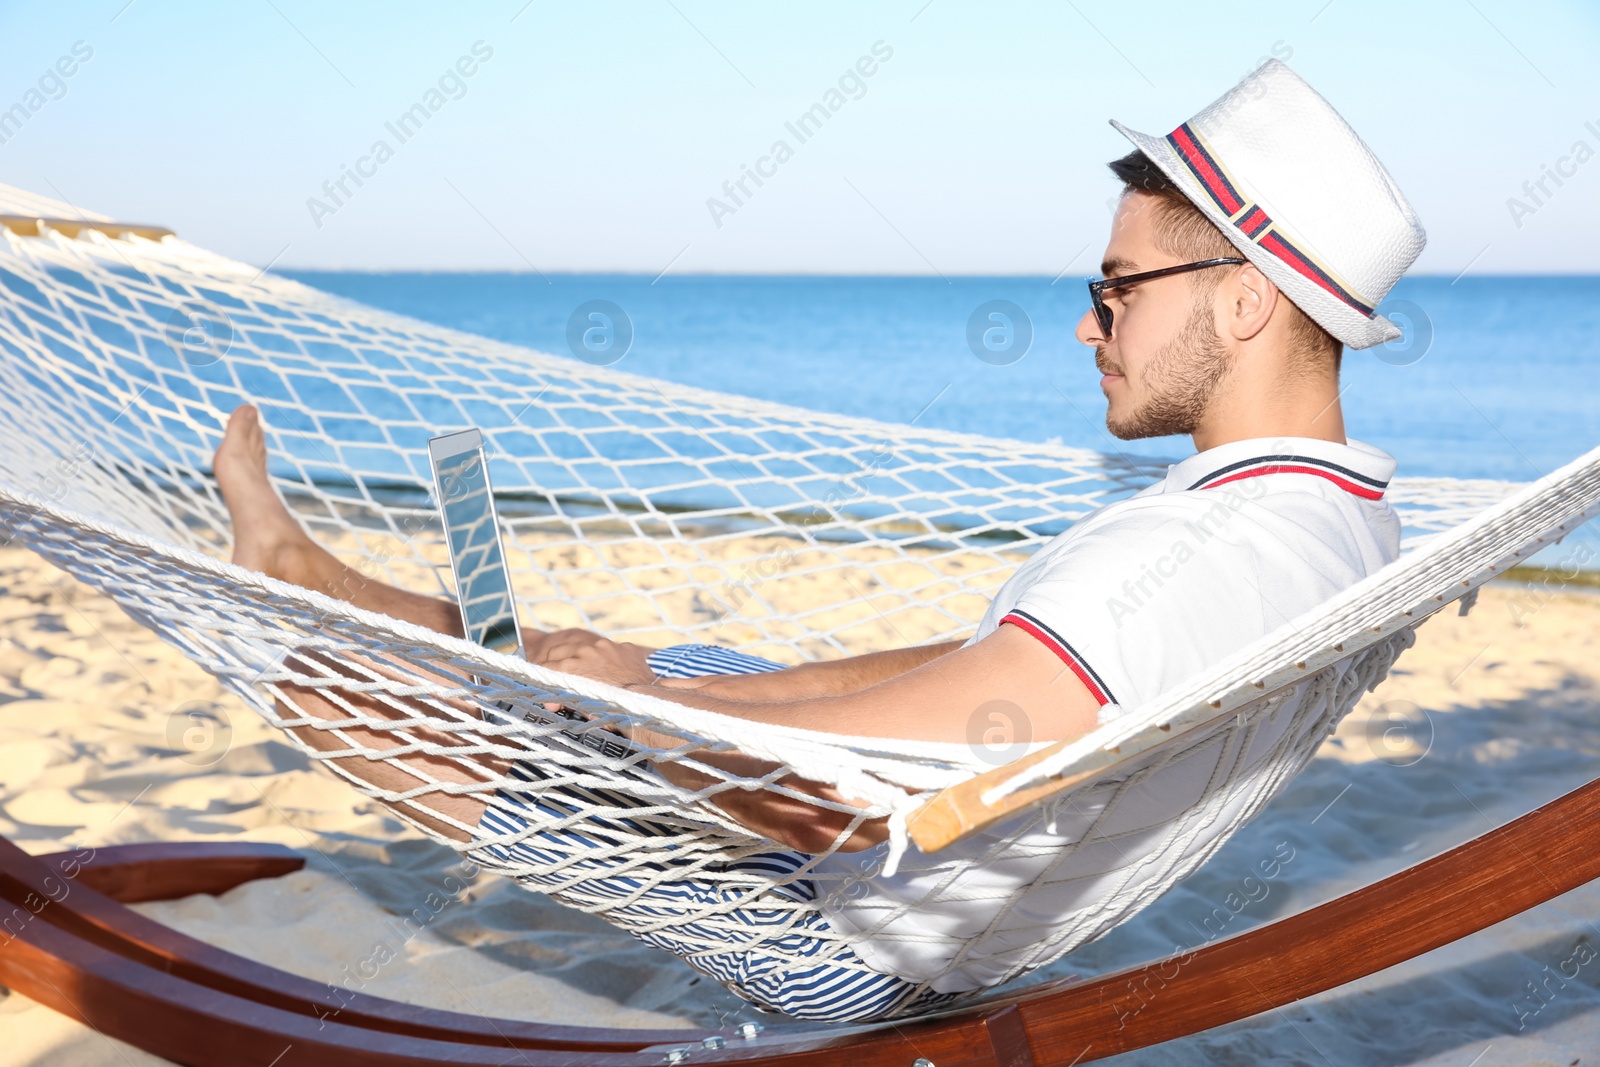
68, 940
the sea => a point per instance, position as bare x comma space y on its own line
1496, 377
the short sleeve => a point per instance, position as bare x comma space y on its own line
1144, 599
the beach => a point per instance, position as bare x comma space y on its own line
1487, 717
800, 331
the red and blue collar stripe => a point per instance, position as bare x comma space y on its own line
1351, 481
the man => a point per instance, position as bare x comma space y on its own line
1249, 245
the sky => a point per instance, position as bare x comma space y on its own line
598, 136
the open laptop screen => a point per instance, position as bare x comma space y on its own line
483, 586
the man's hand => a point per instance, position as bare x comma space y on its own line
587, 653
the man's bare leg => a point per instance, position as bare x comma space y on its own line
269, 539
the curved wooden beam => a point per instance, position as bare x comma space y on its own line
199, 1026
57, 891
133, 979
130, 874
1549, 851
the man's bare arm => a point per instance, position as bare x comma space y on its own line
1008, 681
586, 653
935, 701
823, 678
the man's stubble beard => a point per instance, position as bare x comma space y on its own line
1179, 382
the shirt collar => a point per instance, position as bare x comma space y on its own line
1357, 467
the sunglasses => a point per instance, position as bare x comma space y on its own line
1102, 314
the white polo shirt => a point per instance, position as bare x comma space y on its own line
1136, 598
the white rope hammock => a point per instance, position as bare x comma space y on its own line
659, 514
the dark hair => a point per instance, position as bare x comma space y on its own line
1182, 230
1135, 171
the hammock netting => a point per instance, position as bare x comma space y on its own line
661, 514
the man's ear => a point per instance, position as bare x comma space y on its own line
1252, 297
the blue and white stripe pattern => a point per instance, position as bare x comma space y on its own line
696, 661
760, 908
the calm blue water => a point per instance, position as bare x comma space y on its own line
1505, 386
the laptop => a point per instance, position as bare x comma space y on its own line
483, 581
472, 529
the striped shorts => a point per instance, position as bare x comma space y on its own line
767, 944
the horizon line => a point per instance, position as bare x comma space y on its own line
1594, 273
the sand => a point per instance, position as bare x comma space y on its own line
1501, 706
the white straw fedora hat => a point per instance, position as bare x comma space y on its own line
1287, 179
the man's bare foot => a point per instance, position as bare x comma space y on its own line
266, 537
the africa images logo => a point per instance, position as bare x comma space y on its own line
803, 128
451, 85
